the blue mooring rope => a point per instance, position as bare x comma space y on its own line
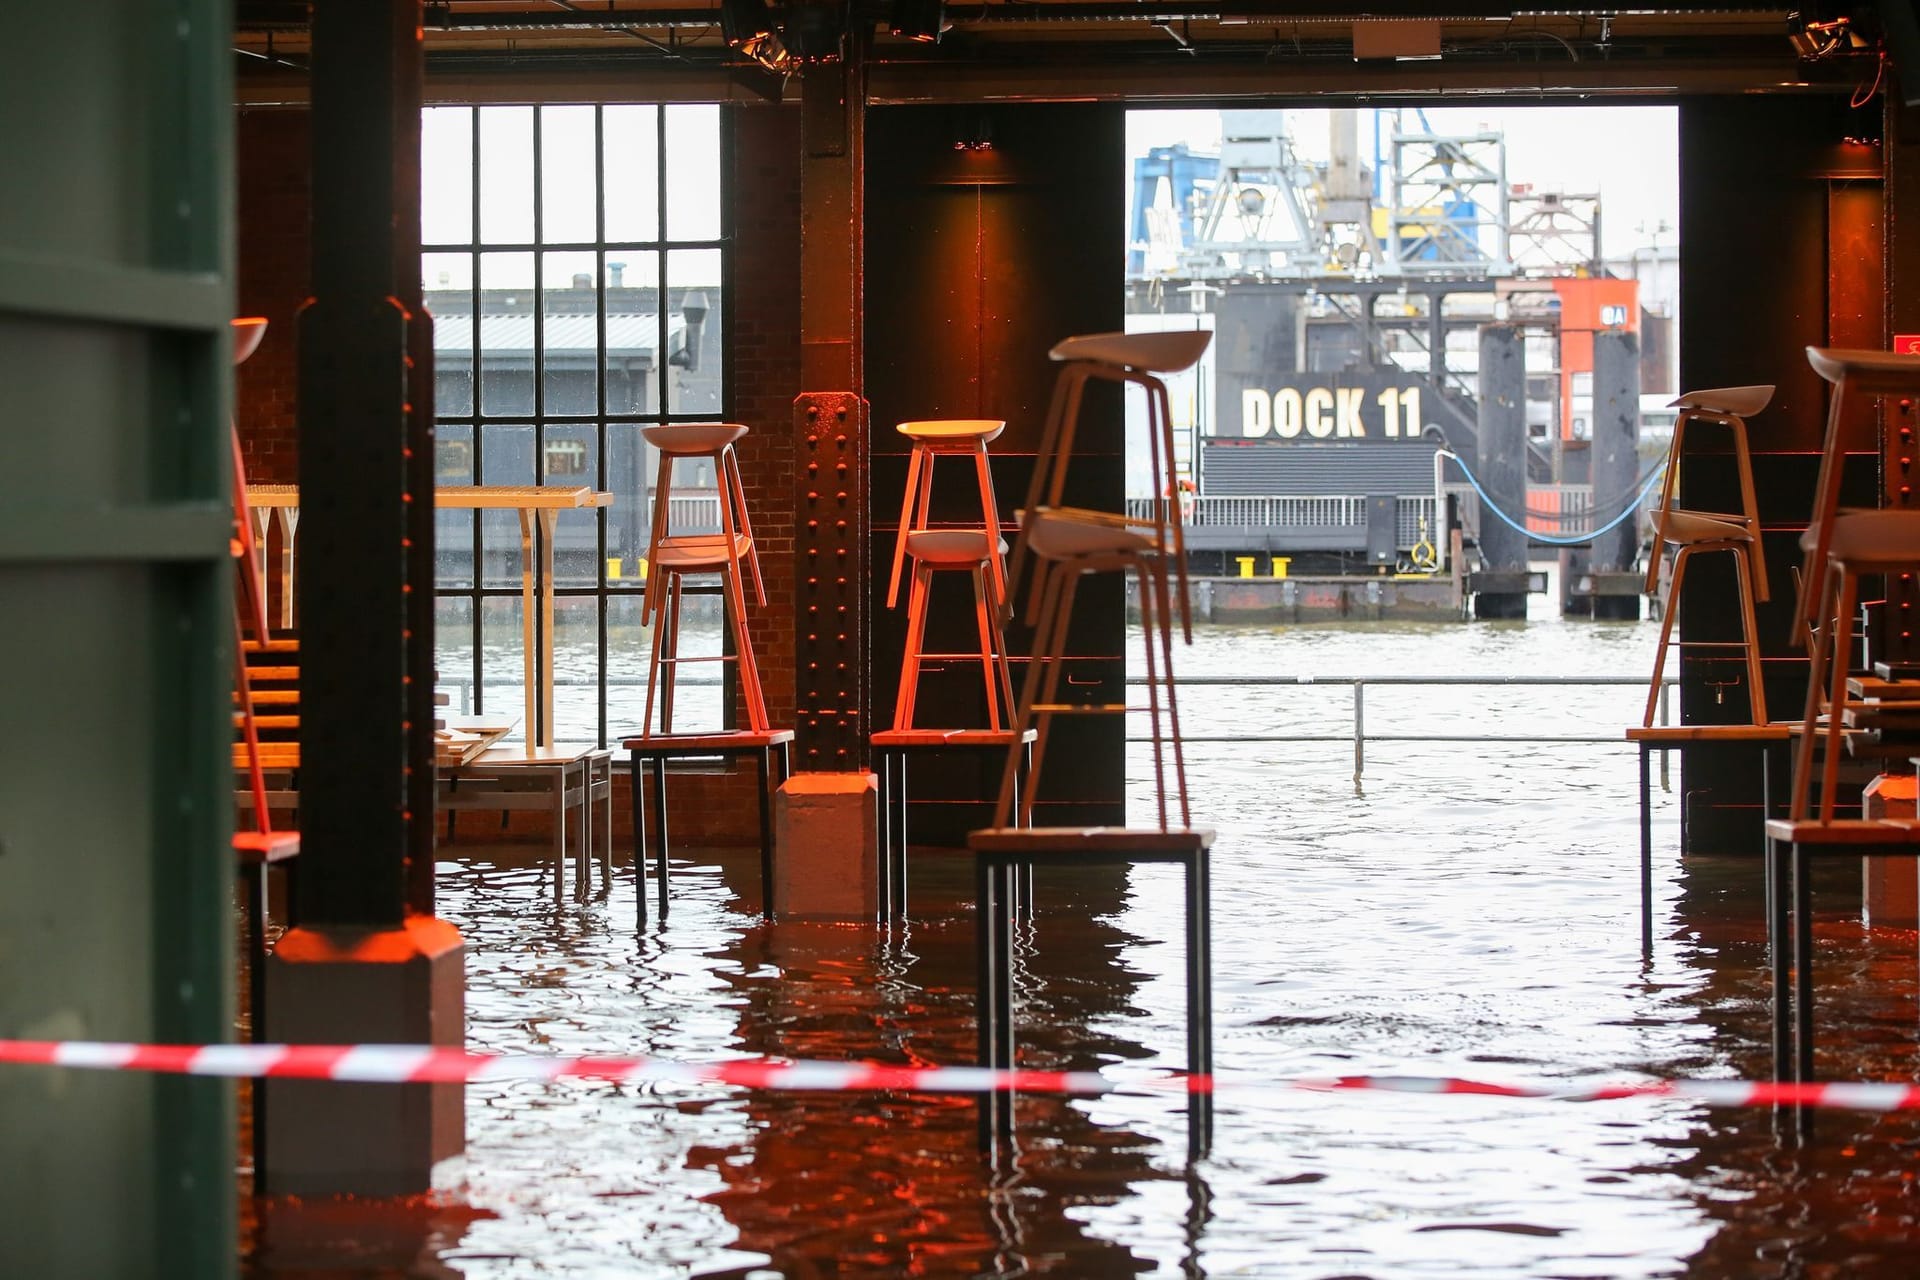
1487, 501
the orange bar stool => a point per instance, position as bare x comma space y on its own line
963, 550
966, 437
672, 556
1692, 532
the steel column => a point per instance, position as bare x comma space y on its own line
366, 483
833, 696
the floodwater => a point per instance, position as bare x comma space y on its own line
1470, 909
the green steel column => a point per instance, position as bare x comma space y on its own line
115, 782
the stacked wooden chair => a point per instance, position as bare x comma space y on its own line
1872, 711
674, 554
1059, 545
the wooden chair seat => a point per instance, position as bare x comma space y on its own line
1170, 351
1061, 535
693, 439
1738, 402
960, 433
953, 546
693, 552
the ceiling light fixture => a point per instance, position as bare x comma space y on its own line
922, 21
747, 26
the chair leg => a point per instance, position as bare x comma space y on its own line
744, 524
1011, 805
1158, 573
743, 650
1668, 615
1756, 681
990, 512
1837, 697
906, 518
653, 658
1153, 691
1817, 658
1053, 662
917, 594
671, 672
662, 491
983, 624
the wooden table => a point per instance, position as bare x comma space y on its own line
539, 506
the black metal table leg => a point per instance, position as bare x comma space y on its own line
763, 767
1003, 988
253, 879
660, 829
1203, 876
1802, 984
897, 837
1779, 967
636, 775
1646, 856
986, 988
883, 852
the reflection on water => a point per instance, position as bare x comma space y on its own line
1473, 912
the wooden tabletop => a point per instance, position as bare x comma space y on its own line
1778, 731
730, 740
490, 496
1071, 840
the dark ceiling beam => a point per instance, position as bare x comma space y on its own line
260, 15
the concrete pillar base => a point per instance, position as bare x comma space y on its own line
365, 986
1890, 887
826, 831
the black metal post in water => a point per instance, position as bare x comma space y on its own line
362, 412
1615, 468
1500, 589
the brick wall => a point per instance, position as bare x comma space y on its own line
763, 367
274, 194
763, 370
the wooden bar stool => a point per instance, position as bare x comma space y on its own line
1842, 547
1065, 548
957, 437
672, 556
1141, 359
960, 550
1691, 532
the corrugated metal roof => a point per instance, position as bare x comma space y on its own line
569, 333
1273, 469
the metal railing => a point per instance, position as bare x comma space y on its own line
1358, 736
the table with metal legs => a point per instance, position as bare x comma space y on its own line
765, 746
1002, 854
891, 748
1772, 740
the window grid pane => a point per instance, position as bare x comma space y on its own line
564, 323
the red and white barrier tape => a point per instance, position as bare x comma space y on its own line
423, 1064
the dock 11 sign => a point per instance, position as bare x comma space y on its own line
1330, 406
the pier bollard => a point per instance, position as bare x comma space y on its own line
1890, 887
826, 829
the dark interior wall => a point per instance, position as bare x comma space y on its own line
1780, 235
977, 263
274, 205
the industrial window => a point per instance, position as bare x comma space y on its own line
575, 261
